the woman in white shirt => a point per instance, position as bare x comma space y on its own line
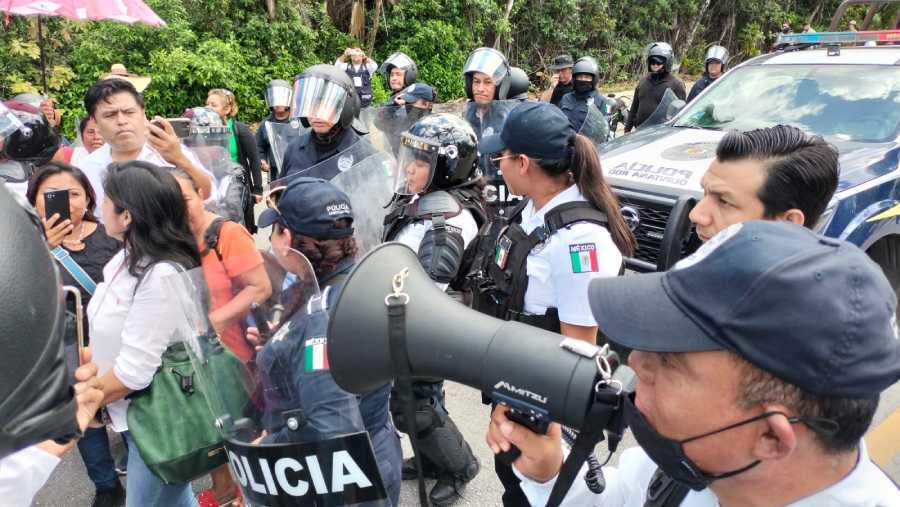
130, 314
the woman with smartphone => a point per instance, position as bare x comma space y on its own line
65, 201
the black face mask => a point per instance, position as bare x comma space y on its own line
414, 113
583, 87
669, 454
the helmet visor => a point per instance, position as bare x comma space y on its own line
415, 166
9, 123
717, 53
399, 60
487, 61
316, 98
279, 95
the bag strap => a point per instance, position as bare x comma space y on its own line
663, 491
78, 273
211, 237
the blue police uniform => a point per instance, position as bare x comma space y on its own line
575, 106
300, 392
304, 153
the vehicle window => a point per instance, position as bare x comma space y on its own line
843, 102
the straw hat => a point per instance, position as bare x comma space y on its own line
118, 71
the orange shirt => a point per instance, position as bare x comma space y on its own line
239, 255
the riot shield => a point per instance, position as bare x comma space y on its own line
291, 436
666, 110
487, 119
366, 175
595, 126
281, 135
232, 188
385, 124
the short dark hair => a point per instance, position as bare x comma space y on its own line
82, 124
54, 168
852, 416
802, 169
106, 88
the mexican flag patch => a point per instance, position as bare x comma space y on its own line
315, 355
584, 258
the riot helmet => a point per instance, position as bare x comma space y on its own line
36, 401
491, 62
278, 93
207, 127
400, 60
30, 138
587, 65
32, 99
438, 152
518, 84
717, 53
326, 92
661, 51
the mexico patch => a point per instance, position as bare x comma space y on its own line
584, 258
315, 355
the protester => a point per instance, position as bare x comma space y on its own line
118, 110
652, 87
278, 98
561, 81
361, 68
90, 138
118, 71
720, 416
131, 312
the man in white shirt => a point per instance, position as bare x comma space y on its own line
759, 372
360, 68
118, 110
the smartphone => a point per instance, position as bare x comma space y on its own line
181, 126
78, 349
57, 201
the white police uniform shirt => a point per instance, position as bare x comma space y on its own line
626, 486
23, 474
560, 269
95, 165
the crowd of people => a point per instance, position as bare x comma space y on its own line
508, 211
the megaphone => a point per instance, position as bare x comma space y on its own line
544, 375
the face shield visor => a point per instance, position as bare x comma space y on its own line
279, 93
717, 53
487, 61
399, 60
416, 164
9, 123
208, 139
316, 98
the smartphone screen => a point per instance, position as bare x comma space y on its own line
57, 201
181, 126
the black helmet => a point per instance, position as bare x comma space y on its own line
587, 65
518, 84
661, 50
447, 145
318, 90
718, 53
34, 141
491, 62
36, 402
402, 61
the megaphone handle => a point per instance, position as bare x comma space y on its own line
507, 457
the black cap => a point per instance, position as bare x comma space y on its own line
537, 129
813, 311
562, 62
417, 91
310, 206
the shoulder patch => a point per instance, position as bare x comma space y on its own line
315, 354
584, 258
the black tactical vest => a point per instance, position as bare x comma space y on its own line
364, 91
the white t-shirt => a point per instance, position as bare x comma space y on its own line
560, 269
23, 474
78, 154
131, 330
95, 165
865, 486
413, 234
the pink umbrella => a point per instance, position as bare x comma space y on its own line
125, 11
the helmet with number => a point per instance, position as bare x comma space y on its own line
326, 92
662, 51
717, 53
400, 60
438, 152
493, 63
278, 93
518, 84
207, 128
29, 138
587, 65
36, 402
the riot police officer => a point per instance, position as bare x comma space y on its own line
438, 209
313, 217
518, 84
714, 66
399, 72
28, 142
278, 98
575, 105
650, 90
566, 232
324, 99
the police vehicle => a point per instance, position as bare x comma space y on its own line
850, 95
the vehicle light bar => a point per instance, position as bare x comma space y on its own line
838, 37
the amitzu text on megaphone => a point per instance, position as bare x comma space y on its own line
543, 376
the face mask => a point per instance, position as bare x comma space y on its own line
669, 454
582, 87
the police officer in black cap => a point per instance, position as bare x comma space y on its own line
584, 96
325, 101
649, 92
438, 209
561, 82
